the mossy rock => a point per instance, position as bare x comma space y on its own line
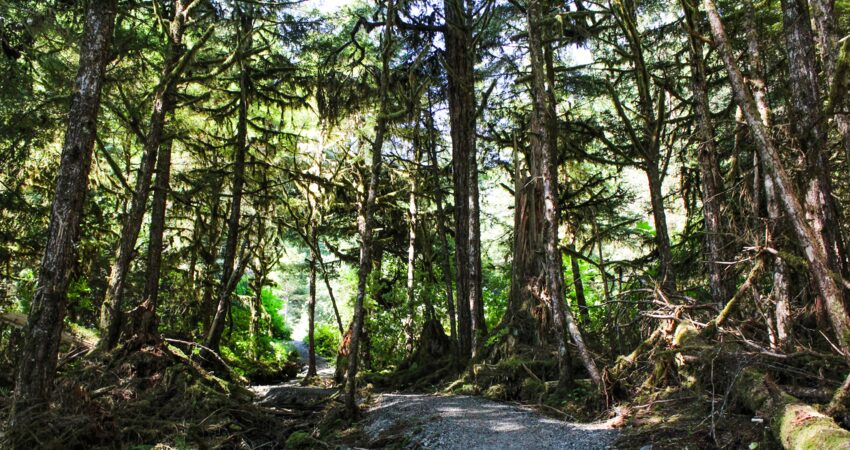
496, 392
299, 440
685, 335
532, 390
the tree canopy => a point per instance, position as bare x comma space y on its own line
590, 202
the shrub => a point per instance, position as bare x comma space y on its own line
273, 306
327, 340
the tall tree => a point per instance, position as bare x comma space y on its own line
645, 133
246, 30
460, 67
38, 356
365, 216
809, 131
543, 164
441, 223
823, 15
712, 181
163, 104
809, 240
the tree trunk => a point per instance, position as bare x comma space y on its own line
365, 217
330, 290
39, 353
712, 182
544, 165
793, 423
311, 310
780, 294
578, 284
411, 260
256, 306
460, 62
809, 131
810, 242
210, 257
217, 327
163, 103
441, 227
652, 115
662, 236
824, 21
157, 231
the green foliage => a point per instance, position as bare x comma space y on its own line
267, 351
274, 308
496, 289
242, 287
79, 296
25, 288
327, 340
298, 440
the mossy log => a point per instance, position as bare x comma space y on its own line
68, 337
795, 424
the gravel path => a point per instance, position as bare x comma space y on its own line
303, 350
471, 423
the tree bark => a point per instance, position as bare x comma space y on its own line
411, 259
257, 300
662, 236
712, 182
824, 21
544, 165
810, 241
157, 231
163, 103
441, 227
365, 218
793, 423
578, 284
780, 294
213, 340
311, 310
460, 60
39, 353
808, 129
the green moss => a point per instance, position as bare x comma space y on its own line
803, 428
685, 333
496, 392
299, 440
466, 389
532, 390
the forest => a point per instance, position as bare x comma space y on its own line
456, 224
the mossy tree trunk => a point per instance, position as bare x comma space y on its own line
39, 353
794, 424
365, 217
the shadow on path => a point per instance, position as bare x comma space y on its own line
463, 422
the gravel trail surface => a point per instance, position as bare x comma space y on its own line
472, 423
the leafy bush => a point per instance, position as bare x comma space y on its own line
25, 290
274, 307
327, 340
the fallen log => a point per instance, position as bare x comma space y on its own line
18, 320
796, 425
